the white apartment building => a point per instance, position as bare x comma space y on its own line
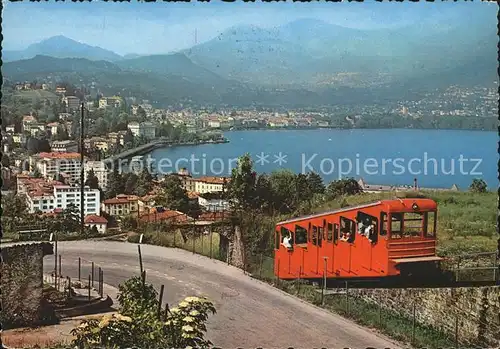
54, 163
144, 129
209, 184
61, 197
100, 171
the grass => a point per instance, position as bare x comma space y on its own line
34, 95
395, 325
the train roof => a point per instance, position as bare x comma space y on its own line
394, 205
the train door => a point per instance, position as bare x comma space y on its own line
301, 246
332, 236
313, 249
367, 229
287, 250
347, 238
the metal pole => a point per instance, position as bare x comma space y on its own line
162, 288
99, 280
211, 241
69, 287
89, 287
194, 237
456, 331
79, 268
60, 273
140, 257
92, 274
55, 262
323, 289
82, 174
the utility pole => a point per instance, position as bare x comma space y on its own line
82, 174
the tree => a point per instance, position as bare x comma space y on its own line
130, 180
5, 160
144, 183
172, 195
263, 193
128, 138
285, 194
316, 183
92, 180
62, 133
241, 189
14, 210
71, 218
139, 321
115, 184
478, 186
341, 187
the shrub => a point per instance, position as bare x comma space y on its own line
139, 323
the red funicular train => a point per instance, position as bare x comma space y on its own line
383, 239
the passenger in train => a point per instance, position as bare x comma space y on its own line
286, 241
345, 236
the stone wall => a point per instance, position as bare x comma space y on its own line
22, 284
476, 308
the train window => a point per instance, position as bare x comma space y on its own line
413, 224
329, 232
383, 226
277, 240
286, 234
321, 231
367, 226
431, 225
396, 225
314, 236
300, 235
335, 232
347, 230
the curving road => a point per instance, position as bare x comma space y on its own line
250, 313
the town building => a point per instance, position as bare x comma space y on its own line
52, 128
47, 196
64, 146
100, 171
122, 205
210, 184
99, 222
114, 102
53, 164
72, 103
143, 129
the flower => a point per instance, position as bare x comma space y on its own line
187, 328
174, 310
194, 313
188, 319
120, 317
191, 299
183, 304
187, 335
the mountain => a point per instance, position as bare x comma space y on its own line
306, 51
167, 89
173, 64
61, 47
26, 69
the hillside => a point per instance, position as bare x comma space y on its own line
305, 50
175, 64
61, 47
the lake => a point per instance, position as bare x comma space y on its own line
437, 158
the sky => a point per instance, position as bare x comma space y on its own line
162, 27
